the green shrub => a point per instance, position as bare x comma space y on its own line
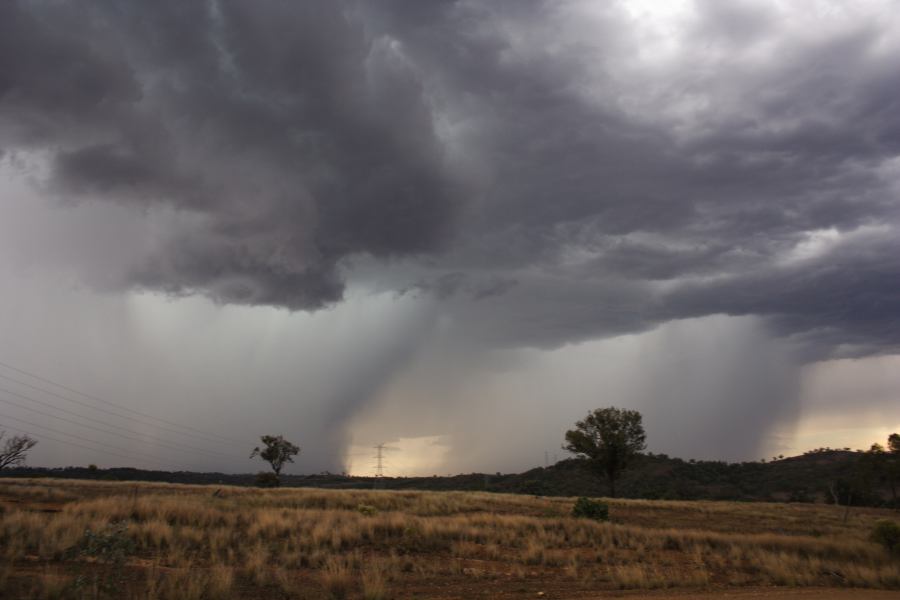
887, 533
367, 510
586, 508
110, 548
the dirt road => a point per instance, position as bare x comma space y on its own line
762, 594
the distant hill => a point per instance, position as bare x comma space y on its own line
811, 477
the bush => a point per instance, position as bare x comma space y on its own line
110, 548
266, 479
887, 533
586, 508
801, 495
367, 510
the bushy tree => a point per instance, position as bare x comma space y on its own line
14, 451
883, 464
609, 438
276, 451
892, 467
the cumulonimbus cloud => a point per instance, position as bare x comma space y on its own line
553, 171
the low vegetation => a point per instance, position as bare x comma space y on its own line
75, 539
591, 509
887, 533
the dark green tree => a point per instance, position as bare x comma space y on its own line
880, 464
609, 438
892, 466
276, 451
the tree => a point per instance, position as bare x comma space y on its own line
276, 451
14, 450
892, 466
609, 438
883, 464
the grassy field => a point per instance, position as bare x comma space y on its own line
83, 539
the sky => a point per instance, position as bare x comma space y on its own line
452, 227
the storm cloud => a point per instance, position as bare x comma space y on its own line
535, 174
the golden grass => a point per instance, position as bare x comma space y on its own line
248, 543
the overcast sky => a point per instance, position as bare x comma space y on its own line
450, 226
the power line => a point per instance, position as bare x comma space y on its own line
221, 438
47, 437
96, 408
146, 458
167, 444
107, 411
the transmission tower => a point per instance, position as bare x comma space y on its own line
379, 458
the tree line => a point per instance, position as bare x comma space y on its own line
609, 439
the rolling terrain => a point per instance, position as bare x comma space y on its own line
804, 478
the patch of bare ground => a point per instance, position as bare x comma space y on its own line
73, 539
765, 594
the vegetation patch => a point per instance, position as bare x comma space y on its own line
167, 541
586, 508
887, 533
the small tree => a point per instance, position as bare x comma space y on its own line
609, 438
15, 450
276, 451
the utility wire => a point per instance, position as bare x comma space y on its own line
166, 444
120, 452
221, 438
47, 437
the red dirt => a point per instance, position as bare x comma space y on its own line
763, 594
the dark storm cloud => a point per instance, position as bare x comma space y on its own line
294, 136
537, 167
617, 216
845, 303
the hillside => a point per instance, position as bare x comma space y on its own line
803, 478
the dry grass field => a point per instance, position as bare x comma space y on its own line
81, 539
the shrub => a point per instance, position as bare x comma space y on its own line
110, 547
367, 510
887, 533
266, 479
586, 508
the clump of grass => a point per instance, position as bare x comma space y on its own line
337, 578
257, 565
221, 580
374, 583
186, 584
